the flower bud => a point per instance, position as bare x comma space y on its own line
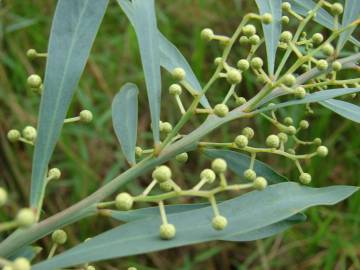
178, 74
90, 267
256, 63
240, 101
273, 141
207, 34
305, 178
322, 151
167, 231
218, 60
7, 267
165, 127
249, 30
317, 141
317, 38
288, 121
175, 89
138, 151
283, 137
286, 6
21, 264
243, 64
241, 141
166, 186
219, 222
250, 175
31, 53
221, 110
266, 18
162, 173
233, 76
132, 268
29, 133
25, 217
322, 65
327, 49
124, 201
304, 124
182, 158
248, 132
289, 80
260, 183
254, 40
219, 165
300, 92
13, 135
291, 130
86, 116
336, 66
243, 40
286, 36
285, 20
3, 196
337, 8
34, 81
208, 175
54, 173
59, 237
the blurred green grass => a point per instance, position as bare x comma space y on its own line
90, 154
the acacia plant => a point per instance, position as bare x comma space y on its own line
301, 68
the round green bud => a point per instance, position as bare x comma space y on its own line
241, 141
317, 141
221, 110
291, 151
182, 158
285, 20
272, 141
167, 231
166, 186
3, 196
286, 6
233, 76
138, 151
59, 237
29, 133
317, 38
124, 201
261, 79
291, 130
7, 267
300, 92
322, 64
283, 137
219, 222
249, 30
175, 89
267, 18
13, 135
54, 173
248, 132
207, 34
304, 124
31, 53
218, 60
162, 173
337, 8
178, 74
21, 264
305, 178
260, 183
208, 175
90, 267
34, 81
86, 116
243, 40
286, 36
322, 151
165, 127
328, 49
240, 101
288, 121
132, 268
243, 64
336, 66
250, 174
256, 63
254, 40
25, 217
219, 165
289, 80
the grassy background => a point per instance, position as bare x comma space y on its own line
89, 154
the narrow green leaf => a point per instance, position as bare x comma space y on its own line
322, 17
245, 213
125, 119
239, 163
351, 13
314, 97
73, 31
271, 31
343, 108
28, 252
170, 56
144, 22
